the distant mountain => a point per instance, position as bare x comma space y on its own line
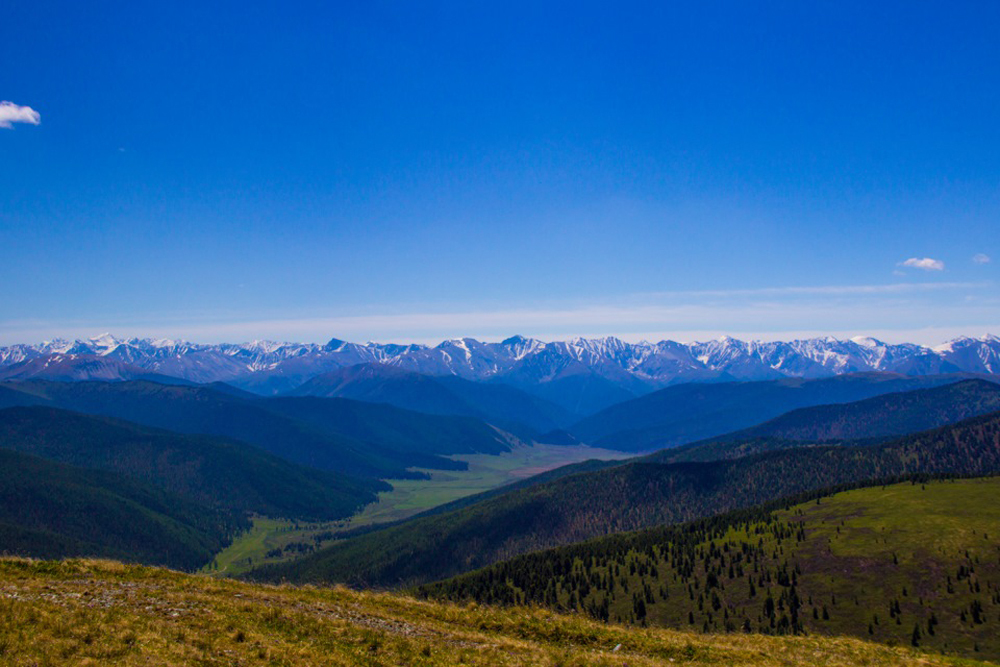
52, 510
80, 367
498, 404
310, 437
218, 473
420, 436
687, 413
581, 375
883, 416
627, 497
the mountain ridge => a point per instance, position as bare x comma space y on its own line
269, 367
681, 414
380, 441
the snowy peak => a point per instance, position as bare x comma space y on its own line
269, 366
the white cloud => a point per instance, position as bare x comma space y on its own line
894, 312
11, 113
925, 263
981, 258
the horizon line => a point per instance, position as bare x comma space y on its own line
987, 336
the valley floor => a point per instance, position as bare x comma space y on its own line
86, 612
268, 536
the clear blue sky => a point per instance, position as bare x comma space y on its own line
417, 171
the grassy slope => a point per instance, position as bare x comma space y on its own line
629, 497
100, 612
852, 556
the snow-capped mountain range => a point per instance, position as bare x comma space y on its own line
269, 367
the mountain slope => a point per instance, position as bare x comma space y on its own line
497, 404
628, 497
313, 441
218, 473
49, 509
83, 612
879, 417
688, 413
405, 431
80, 367
854, 563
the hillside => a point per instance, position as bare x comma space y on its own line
883, 416
48, 509
498, 404
219, 473
101, 612
855, 563
406, 432
892, 414
687, 413
310, 438
628, 497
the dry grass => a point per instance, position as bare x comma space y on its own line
87, 612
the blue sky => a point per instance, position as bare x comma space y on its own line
415, 172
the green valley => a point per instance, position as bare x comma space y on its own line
273, 540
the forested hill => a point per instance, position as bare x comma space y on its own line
908, 564
499, 404
629, 497
51, 510
688, 413
880, 417
365, 440
215, 472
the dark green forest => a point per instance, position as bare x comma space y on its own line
52, 510
860, 422
348, 437
212, 471
688, 413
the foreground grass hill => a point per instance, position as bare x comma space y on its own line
915, 564
86, 612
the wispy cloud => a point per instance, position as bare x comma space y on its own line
11, 113
924, 263
895, 312
826, 290
981, 258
